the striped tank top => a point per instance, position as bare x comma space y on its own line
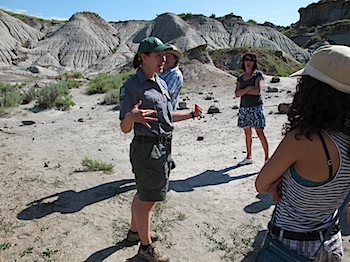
311, 208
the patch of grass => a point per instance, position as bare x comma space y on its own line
5, 245
48, 252
335, 27
163, 224
58, 183
28, 250
238, 244
35, 179
7, 227
95, 165
120, 228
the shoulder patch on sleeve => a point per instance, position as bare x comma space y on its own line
122, 93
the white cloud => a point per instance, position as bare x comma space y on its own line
39, 15
17, 11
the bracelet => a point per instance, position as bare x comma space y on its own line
192, 114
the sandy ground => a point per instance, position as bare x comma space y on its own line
51, 209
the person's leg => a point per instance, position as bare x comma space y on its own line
263, 140
142, 216
133, 226
248, 141
141, 219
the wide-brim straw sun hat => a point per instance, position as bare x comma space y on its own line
330, 64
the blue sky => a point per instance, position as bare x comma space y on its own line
279, 12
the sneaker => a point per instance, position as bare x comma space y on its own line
246, 161
135, 238
152, 254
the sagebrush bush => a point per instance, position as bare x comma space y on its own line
54, 95
112, 97
29, 94
72, 83
10, 96
103, 83
70, 75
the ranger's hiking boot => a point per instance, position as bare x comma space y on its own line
135, 238
152, 254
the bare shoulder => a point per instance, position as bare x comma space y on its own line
298, 144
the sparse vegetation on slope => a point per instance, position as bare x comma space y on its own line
270, 62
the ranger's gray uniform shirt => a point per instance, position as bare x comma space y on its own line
154, 95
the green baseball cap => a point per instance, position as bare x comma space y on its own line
152, 44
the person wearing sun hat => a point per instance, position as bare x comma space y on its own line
145, 108
172, 75
309, 173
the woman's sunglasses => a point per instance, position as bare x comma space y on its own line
249, 59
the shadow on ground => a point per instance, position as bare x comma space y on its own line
99, 256
250, 257
70, 201
265, 202
206, 178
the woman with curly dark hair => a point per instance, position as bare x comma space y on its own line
309, 173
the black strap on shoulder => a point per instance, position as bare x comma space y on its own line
329, 161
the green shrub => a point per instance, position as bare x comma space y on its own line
29, 94
77, 75
103, 83
54, 95
10, 96
252, 21
314, 39
64, 102
70, 75
72, 83
112, 97
185, 15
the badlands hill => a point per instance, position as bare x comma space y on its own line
89, 44
35, 48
